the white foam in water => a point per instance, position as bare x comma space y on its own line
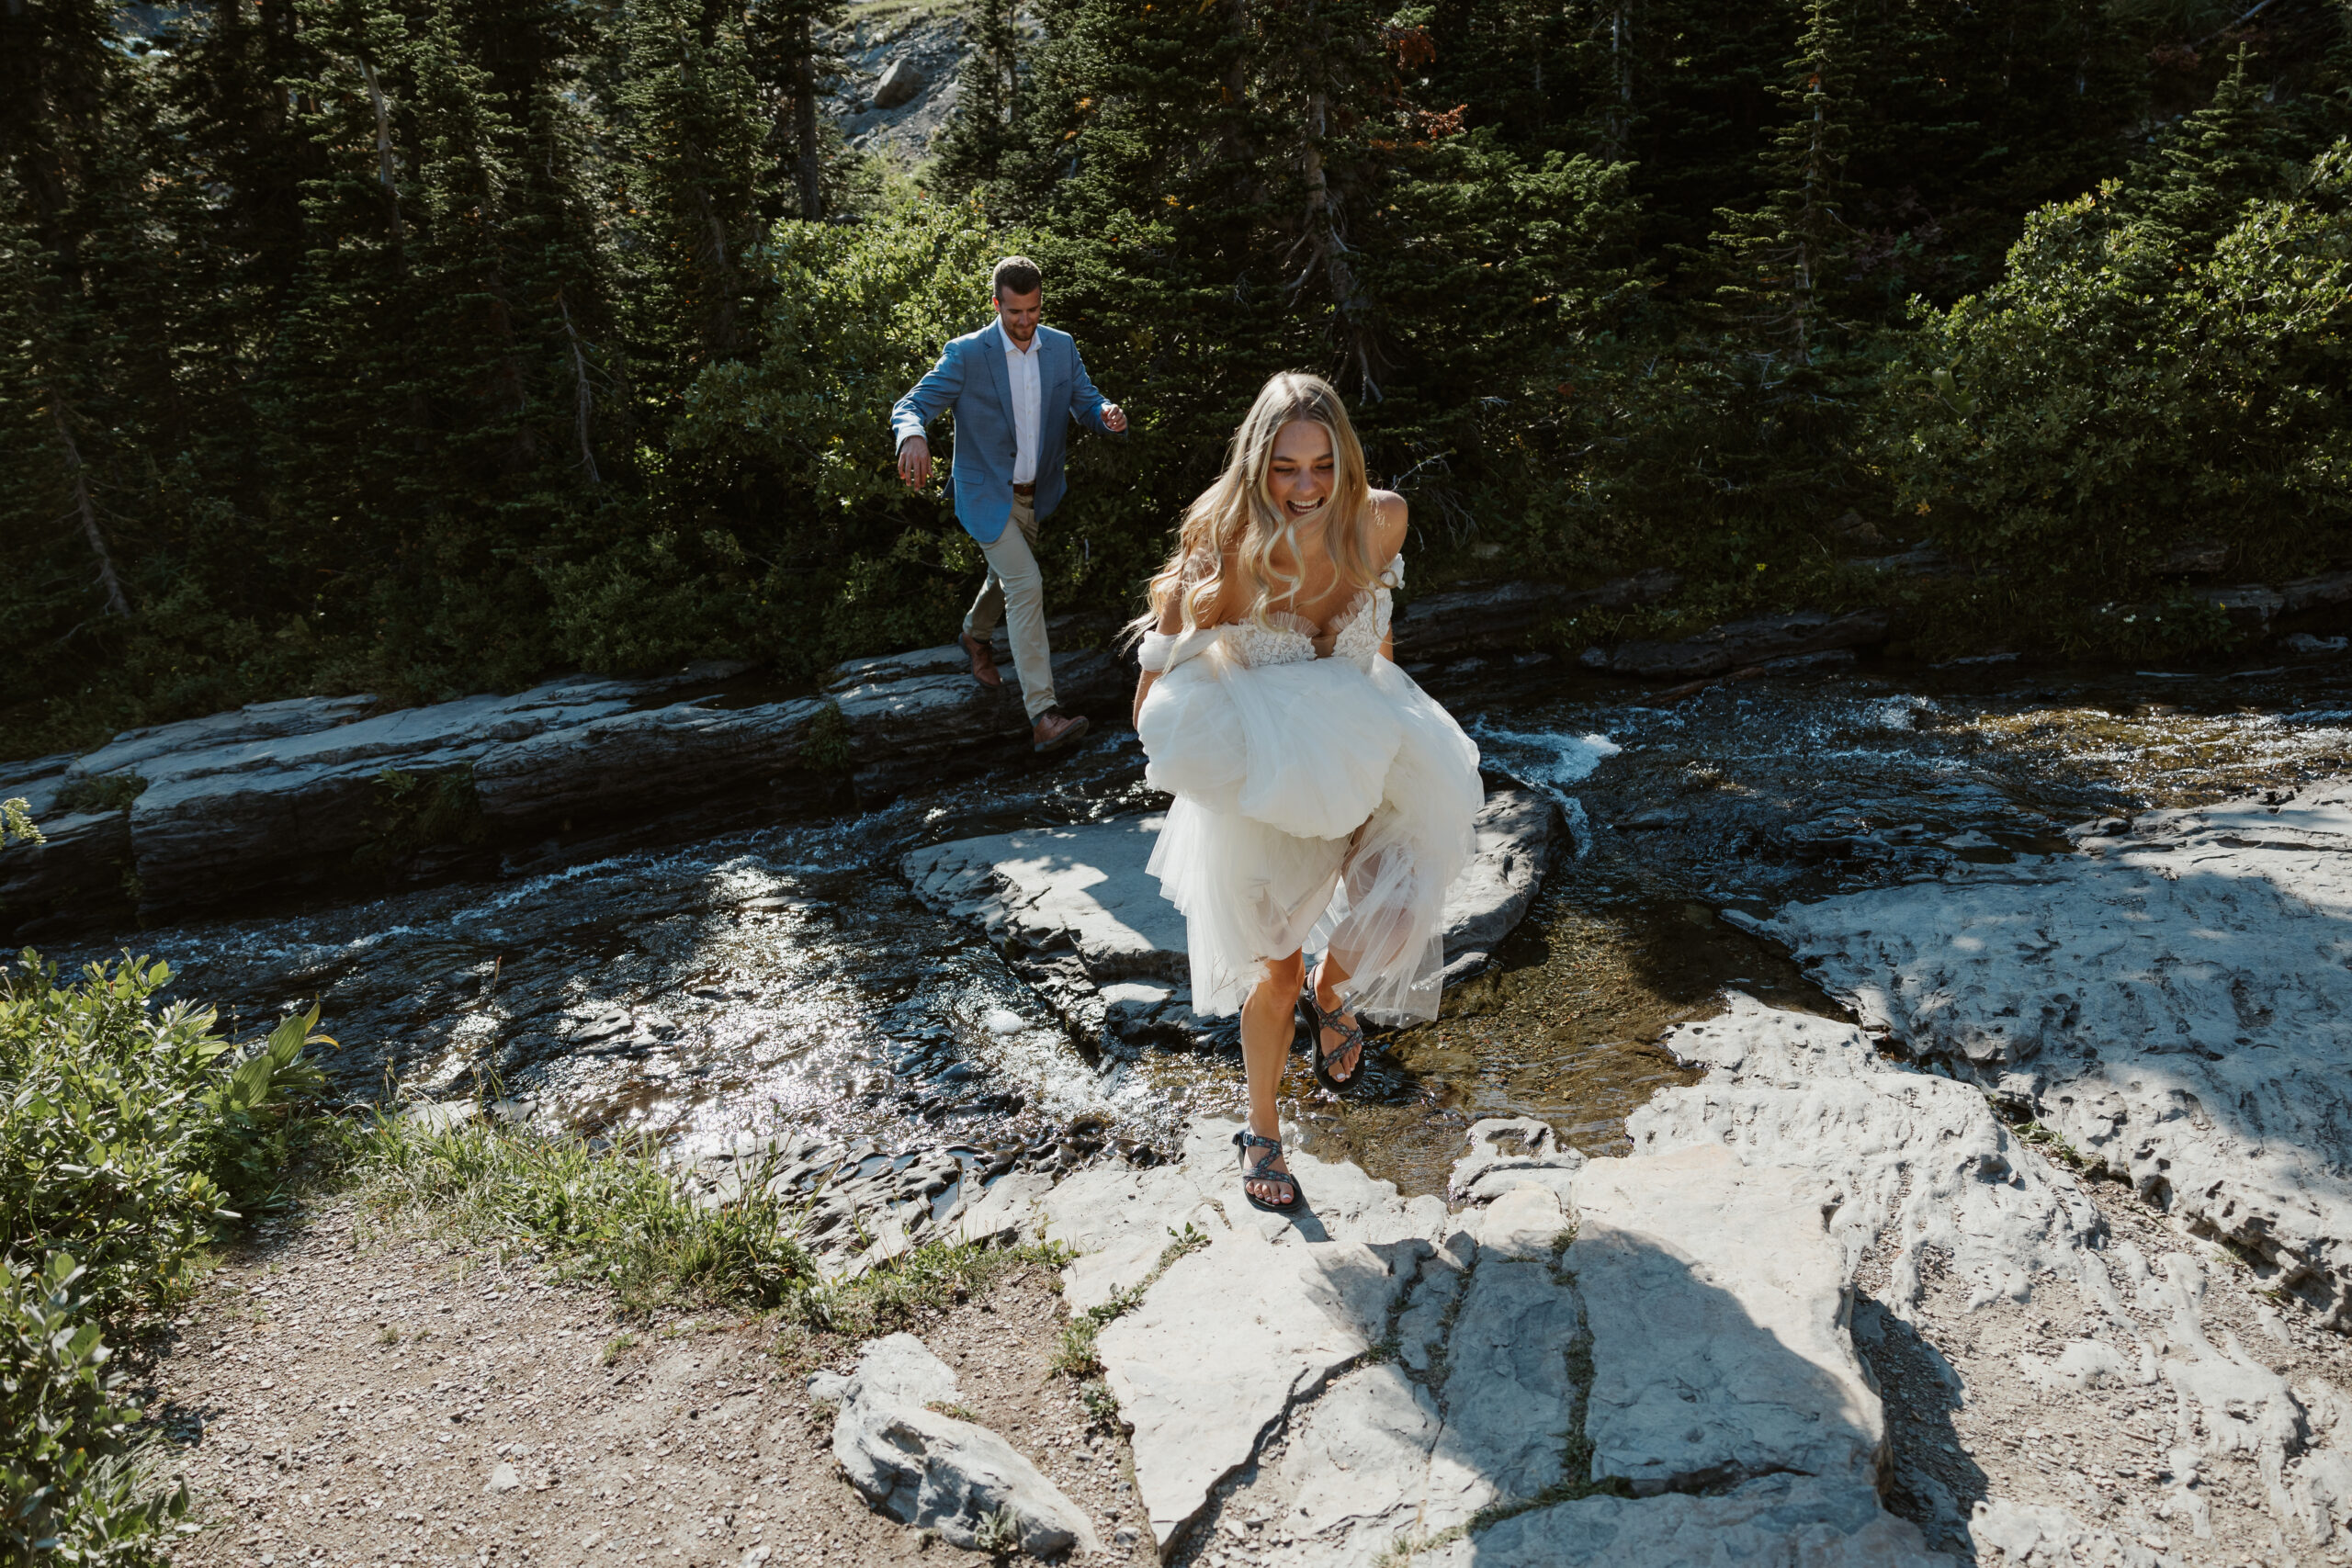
1895, 713
1557, 759
1550, 760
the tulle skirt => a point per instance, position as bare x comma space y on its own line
1317, 807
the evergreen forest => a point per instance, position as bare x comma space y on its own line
422, 348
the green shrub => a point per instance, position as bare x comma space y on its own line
2165, 360
128, 1134
68, 1486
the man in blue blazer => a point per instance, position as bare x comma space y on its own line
1014, 386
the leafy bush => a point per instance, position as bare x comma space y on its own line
2167, 359
66, 1483
127, 1134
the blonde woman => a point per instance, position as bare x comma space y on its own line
1323, 800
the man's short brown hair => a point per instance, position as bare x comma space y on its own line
1016, 275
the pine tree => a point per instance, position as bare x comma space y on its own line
90, 383
690, 134
1784, 253
988, 97
793, 67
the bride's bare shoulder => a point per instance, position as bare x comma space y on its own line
1388, 520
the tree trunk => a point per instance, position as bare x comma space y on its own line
804, 113
383, 149
88, 512
583, 397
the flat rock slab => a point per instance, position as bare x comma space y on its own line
910, 715
1083, 891
1781, 1521
2173, 1001
1717, 1300
1674, 1323
1203, 1369
1083, 888
284, 794
1909, 1161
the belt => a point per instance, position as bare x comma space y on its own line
1024, 489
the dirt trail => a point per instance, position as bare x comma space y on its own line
339, 1394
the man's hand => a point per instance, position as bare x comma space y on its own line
914, 462
1115, 418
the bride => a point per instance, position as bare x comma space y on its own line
1323, 800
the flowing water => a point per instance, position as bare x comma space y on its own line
786, 979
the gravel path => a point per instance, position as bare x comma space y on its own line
341, 1395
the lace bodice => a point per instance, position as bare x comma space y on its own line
1286, 638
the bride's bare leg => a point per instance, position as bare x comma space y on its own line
1267, 1030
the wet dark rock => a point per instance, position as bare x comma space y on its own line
915, 718
2256, 604
1739, 644
1920, 560
1486, 618
83, 874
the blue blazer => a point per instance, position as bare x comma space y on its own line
970, 377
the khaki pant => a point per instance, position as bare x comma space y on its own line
1015, 595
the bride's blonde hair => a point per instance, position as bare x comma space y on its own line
1237, 514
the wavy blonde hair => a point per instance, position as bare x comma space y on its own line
1237, 515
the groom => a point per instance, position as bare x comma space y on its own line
1014, 387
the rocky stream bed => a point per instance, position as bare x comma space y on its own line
1881, 1116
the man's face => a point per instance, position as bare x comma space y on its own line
1019, 312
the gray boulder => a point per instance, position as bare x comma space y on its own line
934, 1472
648, 760
82, 870
901, 80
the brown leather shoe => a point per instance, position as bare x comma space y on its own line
984, 668
1054, 730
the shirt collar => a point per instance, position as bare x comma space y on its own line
1013, 347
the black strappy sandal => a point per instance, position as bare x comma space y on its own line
1317, 1021
1245, 1140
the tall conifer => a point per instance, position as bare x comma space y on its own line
1785, 252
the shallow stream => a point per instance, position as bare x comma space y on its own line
786, 979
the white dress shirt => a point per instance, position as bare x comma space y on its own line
1027, 393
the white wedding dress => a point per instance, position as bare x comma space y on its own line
1321, 802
